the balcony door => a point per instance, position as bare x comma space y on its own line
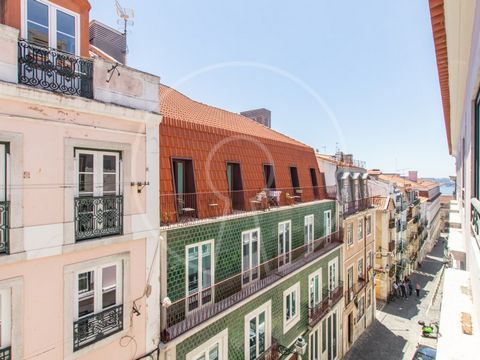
99, 209
250, 256
327, 218
284, 243
184, 184
235, 186
313, 177
331, 336
200, 275
5, 321
3, 198
309, 233
269, 176
332, 275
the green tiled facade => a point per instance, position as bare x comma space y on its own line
235, 320
227, 240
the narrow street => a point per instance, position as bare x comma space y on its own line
396, 332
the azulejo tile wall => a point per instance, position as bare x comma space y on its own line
227, 240
234, 321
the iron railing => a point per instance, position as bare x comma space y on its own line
352, 207
329, 300
191, 207
54, 70
272, 353
475, 215
4, 227
98, 216
352, 292
96, 327
228, 292
6, 353
391, 246
391, 223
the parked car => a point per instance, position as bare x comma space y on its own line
425, 353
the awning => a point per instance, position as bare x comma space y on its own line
346, 175
365, 176
356, 176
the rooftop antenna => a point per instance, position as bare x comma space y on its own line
125, 19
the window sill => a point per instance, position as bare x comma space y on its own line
290, 324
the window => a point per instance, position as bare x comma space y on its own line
4, 205
369, 298
368, 225
360, 229
313, 177
269, 176
284, 243
350, 234
200, 273
315, 289
361, 308
5, 320
360, 270
291, 307
250, 255
99, 205
215, 348
184, 185
99, 291
477, 147
332, 275
369, 260
308, 232
314, 344
350, 277
235, 187
258, 331
50, 26
327, 222
294, 178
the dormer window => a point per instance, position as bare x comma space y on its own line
49, 25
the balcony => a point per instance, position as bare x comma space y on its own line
53, 70
329, 300
230, 291
96, 327
98, 216
475, 219
4, 227
352, 292
272, 353
6, 353
192, 207
353, 207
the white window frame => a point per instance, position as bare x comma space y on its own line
212, 275
293, 290
360, 230
5, 318
350, 234
309, 232
312, 350
221, 339
98, 170
369, 262
267, 308
328, 229
52, 23
251, 269
360, 261
334, 285
361, 309
368, 225
97, 291
311, 277
286, 255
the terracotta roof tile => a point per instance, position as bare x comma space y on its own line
177, 106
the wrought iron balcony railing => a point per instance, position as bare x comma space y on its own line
6, 353
329, 299
96, 327
475, 218
352, 292
353, 207
272, 353
228, 292
391, 223
391, 246
192, 207
53, 70
98, 216
4, 227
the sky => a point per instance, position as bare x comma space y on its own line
359, 76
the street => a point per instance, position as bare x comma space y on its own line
396, 333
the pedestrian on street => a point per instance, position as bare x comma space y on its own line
395, 289
404, 292
417, 289
410, 287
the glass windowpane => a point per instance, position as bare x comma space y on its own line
37, 12
109, 286
65, 23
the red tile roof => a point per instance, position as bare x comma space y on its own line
177, 106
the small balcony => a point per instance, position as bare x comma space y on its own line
272, 353
4, 228
475, 218
192, 207
98, 216
53, 70
96, 327
352, 292
391, 223
6, 353
329, 300
233, 290
353, 207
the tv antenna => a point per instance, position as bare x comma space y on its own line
125, 18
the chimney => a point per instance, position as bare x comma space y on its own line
413, 176
110, 41
262, 116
